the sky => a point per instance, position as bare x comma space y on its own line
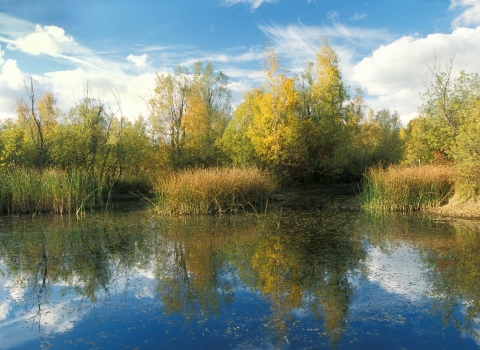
114, 48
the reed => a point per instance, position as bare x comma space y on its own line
209, 191
30, 191
406, 189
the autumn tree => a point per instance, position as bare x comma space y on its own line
329, 114
272, 128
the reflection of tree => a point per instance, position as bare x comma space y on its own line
455, 277
307, 264
194, 273
84, 255
451, 256
303, 264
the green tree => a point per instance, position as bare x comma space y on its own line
235, 141
38, 118
168, 107
208, 114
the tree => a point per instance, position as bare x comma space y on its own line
273, 116
324, 98
208, 114
168, 107
235, 142
38, 119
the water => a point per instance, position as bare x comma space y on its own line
303, 279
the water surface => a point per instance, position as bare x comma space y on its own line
302, 279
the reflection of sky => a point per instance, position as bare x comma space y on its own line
389, 306
65, 308
398, 271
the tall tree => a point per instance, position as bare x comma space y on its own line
38, 119
168, 107
330, 95
208, 114
273, 116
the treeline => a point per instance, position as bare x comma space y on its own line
303, 127
299, 128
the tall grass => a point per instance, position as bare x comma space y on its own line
30, 191
407, 188
208, 191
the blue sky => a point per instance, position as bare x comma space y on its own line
385, 46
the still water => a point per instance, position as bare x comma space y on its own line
295, 280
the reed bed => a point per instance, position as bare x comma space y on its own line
30, 191
406, 189
210, 191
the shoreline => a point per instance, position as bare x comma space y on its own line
458, 209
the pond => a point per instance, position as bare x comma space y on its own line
285, 280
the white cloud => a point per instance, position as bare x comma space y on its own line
100, 73
254, 4
139, 61
394, 73
4, 310
2, 53
11, 76
68, 87
399, 272
46, 40
470, 15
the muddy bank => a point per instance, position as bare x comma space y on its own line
456, 208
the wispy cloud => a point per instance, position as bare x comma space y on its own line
358, 16
298, 43
470, 15
254, 4
14, 26
231, 56
1, 55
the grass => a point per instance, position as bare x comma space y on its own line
406, 189
210, 191
30, 191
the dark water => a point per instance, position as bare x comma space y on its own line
298, 280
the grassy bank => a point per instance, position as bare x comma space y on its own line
208, 191
30, 191
407, 188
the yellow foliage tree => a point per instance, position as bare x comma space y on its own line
274, 121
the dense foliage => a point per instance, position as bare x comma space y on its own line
298, 128
295, 127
